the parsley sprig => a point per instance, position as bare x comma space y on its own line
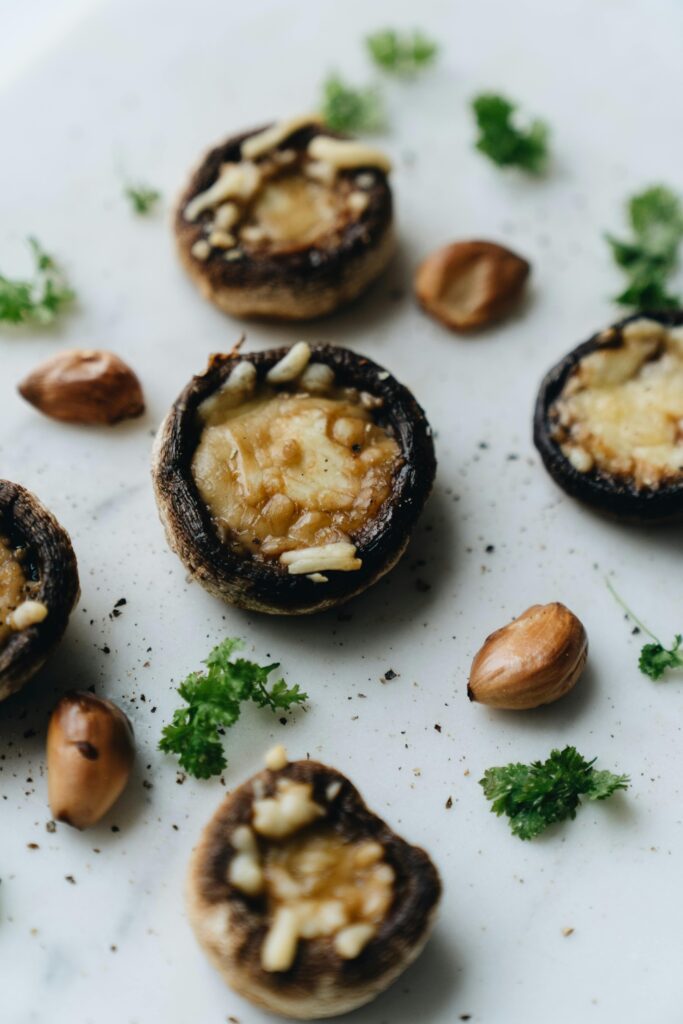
214, 700
655, 659
536, 795
39, 300
142, 198
505, 142
402, 53
656, 218
345, 109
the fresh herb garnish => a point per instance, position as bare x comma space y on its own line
39, 300
656, 217
346, 109
536, 795
401, 53
214, 701
655, 659
505, 143
143, 199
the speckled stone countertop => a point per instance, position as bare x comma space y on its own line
92, 925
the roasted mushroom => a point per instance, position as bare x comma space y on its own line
305, 901
290, 480
609, 420
38, 585
290, 221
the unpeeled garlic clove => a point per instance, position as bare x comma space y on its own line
534, 660
470, 284
87, 386
90, 753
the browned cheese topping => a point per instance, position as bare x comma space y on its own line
315, 883
12, 587
294, 472
621, 410
18, 609
283, 200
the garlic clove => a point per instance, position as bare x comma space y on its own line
470, 284
534, 660
90, 752
89, 386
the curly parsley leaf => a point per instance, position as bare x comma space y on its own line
402, 53
39, 300
345, 109
503, 141
142, 198
536, 795
214, 700
656, 218
655, 659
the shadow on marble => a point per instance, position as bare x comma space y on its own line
419, 994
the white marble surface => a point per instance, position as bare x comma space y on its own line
145, 86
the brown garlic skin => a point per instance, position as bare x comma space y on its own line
88, 386
534, 660
470, 284
90, 752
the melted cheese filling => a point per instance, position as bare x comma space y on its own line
328, 887
13, 587
291, 212
621, 410
289, 470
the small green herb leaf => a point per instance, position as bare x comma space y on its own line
37, 301
401, 53
143, 199
655, 659
503, 141
656, 217
345, 109
539, 794
214, 700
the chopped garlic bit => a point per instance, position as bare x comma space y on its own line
349, 942
201, 250
222, 240
279, 948
290, 366
333, 790
226, 216
235, 181
292, 808
317, 377
270, 138
320, 170
340, 556
276, 758
28, 613
344, 154
317, 577
236, 389
358, 202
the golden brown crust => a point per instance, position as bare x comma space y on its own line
231, 926
267, 586
51, 564
295, 285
